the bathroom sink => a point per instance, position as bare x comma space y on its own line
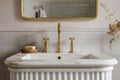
60, 60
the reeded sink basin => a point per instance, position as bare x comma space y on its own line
60, 60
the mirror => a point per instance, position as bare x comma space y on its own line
58, 9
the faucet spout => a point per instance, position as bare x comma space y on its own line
59, 42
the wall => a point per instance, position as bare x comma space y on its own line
16, 32
10, 17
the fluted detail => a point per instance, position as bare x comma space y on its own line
69, 75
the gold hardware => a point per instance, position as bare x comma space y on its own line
71, 45
59, 44
29, 51
45, 44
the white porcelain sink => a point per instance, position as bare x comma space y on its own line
60, 60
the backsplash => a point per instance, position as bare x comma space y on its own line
13, 42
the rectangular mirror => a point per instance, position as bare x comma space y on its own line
58, 9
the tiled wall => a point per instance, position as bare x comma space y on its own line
13, 42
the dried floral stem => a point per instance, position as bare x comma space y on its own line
114, 28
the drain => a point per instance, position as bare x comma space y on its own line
59, 57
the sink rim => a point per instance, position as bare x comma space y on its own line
69, 56
15, 61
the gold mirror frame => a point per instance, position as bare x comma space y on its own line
70, 18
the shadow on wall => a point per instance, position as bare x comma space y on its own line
4, 73
6, 54
19, 40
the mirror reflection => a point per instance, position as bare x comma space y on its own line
58, 8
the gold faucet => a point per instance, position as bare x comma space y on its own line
59, 42
45, 44
71, 44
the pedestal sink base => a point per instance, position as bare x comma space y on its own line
61, 73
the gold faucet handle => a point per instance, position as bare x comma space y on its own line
59, 25
46, 39
71, 38
71, 44
45, 44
